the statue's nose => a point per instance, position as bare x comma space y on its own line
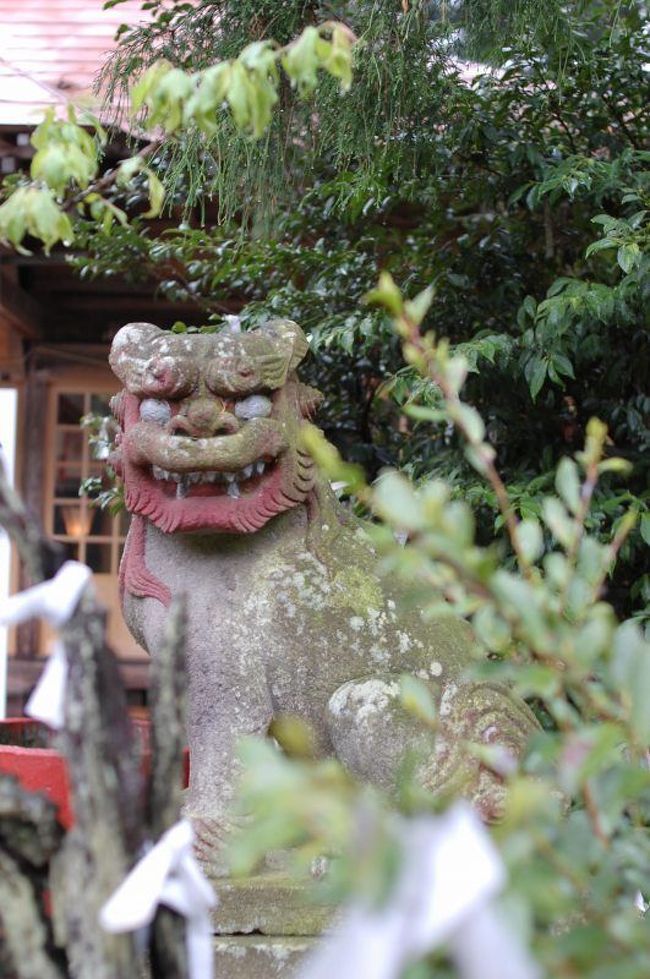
204, 417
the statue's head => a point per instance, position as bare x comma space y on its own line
210, 425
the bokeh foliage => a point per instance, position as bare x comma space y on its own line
574, 834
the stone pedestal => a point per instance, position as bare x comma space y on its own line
258, 956
264, 925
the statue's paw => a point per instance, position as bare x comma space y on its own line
476, 716
210, 841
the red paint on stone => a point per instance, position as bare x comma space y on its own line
43, 769
195, 461
39, 769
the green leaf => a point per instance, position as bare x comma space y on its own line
630, 670
616, 465
416, 697
395, 500
455, 370
128, 169
567, 484
628, 256
644, 526
143, 89
557, 520
386, 294
536, 375
302, 60
480, 456
423, 413
601, 245
492, 629
563, 365
329, 459
156, 195
531, 539
416, 309
34, 211
339, 61
469, 421
516, 595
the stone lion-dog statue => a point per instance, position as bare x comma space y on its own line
287, 613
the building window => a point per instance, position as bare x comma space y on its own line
88, 534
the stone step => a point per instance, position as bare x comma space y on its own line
258, 956
272, 904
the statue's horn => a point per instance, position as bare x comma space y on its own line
131, 351
291, 337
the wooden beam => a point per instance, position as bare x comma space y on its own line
22, 311
23, 673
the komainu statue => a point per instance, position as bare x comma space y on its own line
287, 614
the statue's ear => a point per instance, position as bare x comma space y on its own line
131, 350
290, 339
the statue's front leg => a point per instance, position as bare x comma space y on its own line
225, 703
372, 732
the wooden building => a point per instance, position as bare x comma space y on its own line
55, 329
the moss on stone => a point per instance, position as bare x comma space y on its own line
353, 588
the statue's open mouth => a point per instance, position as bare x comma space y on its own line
233, 482
211, 483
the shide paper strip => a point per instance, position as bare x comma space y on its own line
55, 601
451, 873
168, 874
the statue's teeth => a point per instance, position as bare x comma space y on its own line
259, 466
176, 477
233, 490
194, 477
230, 477
181, 489
158, 472
247, 472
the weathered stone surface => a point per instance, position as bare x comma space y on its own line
258, 957
286, 611
271, 904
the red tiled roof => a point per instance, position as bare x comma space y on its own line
51, 50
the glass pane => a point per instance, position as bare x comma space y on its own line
99, 404
98, 468
98, 557
70, 408
67, 480
101, 522
69, 446
72, 519
71, 551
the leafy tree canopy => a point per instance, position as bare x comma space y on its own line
520, 194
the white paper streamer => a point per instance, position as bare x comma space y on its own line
484, 947
233, 323
55, 601
450, 874
168, 874
47, 701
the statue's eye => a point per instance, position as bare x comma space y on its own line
256, 406
154, 410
